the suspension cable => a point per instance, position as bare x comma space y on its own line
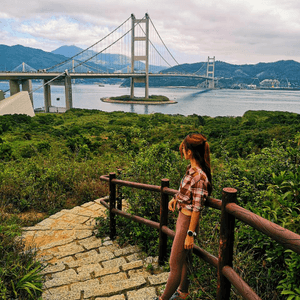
166, 48
170, 52
88, 66
88, 47
163, 42
59, 75
199, 69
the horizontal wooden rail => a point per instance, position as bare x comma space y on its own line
104, 203
131, 217
169, 191
143, 186
284, 236
138, 219
214, 203
206, 256
168, 231
243, 288
211, 202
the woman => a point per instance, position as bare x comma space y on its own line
194, 188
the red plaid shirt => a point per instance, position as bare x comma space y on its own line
193, 189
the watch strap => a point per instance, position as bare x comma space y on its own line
191, 233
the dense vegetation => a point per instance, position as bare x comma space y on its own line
50, 162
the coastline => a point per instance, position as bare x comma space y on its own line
137, 101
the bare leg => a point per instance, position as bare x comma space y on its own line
184, 283
178, 262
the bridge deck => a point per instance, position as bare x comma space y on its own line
51, 75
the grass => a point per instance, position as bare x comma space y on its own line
20, 276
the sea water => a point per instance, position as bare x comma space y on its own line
218, 102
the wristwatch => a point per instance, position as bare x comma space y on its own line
191, 233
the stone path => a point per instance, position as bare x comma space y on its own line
81, 266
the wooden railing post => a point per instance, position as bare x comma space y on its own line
112, 204
119, 193
226, 243
163, 238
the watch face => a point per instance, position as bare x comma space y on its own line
190, 233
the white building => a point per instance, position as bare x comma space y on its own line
270, 83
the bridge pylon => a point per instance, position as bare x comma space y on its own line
145, 57
210, 72
14, 86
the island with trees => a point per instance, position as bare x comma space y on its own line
153, 99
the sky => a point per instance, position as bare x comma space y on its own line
234, 31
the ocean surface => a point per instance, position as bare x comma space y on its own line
219, 102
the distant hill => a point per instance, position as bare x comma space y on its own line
68, 51
12, 56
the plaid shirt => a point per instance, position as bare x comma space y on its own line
193, 190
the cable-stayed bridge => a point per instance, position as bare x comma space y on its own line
133, 50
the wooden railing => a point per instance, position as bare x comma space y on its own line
229, 212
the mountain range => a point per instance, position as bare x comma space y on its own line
228, 75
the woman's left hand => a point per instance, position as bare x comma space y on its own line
172, 204
189, 242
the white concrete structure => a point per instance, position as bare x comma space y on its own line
19, 103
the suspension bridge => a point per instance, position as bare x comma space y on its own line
133, 50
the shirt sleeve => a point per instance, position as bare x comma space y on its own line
199, 194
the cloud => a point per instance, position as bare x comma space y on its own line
4, 15
64, 31
232, 30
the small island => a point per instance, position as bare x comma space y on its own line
153, 99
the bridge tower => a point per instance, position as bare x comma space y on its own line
145, 57
210, 72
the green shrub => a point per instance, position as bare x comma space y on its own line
43, 146
5, 152
27, 151
20, 276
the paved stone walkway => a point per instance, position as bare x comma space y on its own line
80, 266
